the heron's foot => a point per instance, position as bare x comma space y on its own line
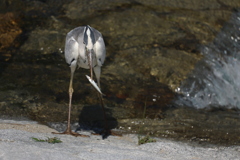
69, 132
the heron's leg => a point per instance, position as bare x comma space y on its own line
97, 71
68, 130
104, 113
70, 90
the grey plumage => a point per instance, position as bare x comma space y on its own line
78, 38
84, 48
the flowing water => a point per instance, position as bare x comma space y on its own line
215, 80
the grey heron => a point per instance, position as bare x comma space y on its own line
85, 48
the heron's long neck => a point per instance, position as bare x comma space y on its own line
90, 63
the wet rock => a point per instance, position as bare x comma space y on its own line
191, 125
146, 43
45, 41
9, 31
76, 10
134, 65
151, 48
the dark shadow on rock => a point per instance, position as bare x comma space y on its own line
92, 118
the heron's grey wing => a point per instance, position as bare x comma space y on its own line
99, 47
74, 44
76, 32
71, 50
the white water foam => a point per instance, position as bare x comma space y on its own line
215, 80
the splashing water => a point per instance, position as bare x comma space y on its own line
216, 78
